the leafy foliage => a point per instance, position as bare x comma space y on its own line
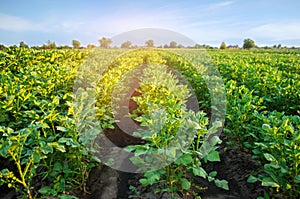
42, 133
37, 129
263, 113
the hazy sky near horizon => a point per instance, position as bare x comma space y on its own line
35, 22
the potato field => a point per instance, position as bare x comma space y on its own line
64, 113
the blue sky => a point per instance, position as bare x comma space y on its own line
267, 22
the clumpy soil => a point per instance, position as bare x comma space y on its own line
234, 167
106, 183
4, 191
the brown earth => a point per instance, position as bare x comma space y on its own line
234, 167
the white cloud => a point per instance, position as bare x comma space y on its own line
68, 26
199, 30
14, 23
219, 5
19, 24
277, 31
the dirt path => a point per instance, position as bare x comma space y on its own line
105, 182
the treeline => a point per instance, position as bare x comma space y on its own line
105, 42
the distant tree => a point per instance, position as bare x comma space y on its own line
248, 43
197, 46
278, 46
149, 43
180, 46
2, 47
223, 45
52, 45
76, 44
166, 46
23, 45
126, 44
105, 42
49, 45
173, 44
64, 47
266, 47
91, 46
203, 46
44, 46
35, 47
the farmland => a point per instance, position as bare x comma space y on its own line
56, 103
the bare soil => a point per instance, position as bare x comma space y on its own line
234, 167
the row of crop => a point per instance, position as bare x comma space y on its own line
110, 77
251, 117
38, 137
273, 77
250, 105
41, 131
175, 137
273, 138
14, 59
263, 115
